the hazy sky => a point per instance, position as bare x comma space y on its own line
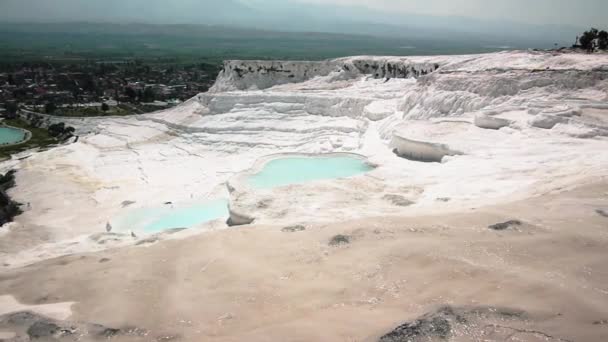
571, 12
579, 13
519, 19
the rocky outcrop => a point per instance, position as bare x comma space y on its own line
469, 323
386, 68
430, 326
244, 75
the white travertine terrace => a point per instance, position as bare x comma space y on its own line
555, 106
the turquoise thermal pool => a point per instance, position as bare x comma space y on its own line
156, 220
10, 135
296, 170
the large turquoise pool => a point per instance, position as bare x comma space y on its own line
155, 220
296, 170
10, 135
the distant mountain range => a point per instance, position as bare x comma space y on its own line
277, 15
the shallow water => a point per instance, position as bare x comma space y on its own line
296, 170
10, 135
157, 219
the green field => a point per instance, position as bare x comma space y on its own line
77, 42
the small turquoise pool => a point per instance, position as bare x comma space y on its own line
296, 170
10, 135
156, 220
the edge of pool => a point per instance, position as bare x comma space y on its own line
27, 135
237, 184
239, 180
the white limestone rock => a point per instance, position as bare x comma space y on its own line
490, 122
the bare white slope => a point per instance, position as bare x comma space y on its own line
556, 107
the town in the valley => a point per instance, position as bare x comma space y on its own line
97, 88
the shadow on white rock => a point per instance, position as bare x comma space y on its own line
238, 218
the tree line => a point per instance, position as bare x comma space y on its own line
592, 40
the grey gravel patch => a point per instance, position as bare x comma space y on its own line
339, 240
293, 229
30, 326
264, 204
19, 318
125, 204
397, 200
157, 237
602, 212
173, 231
103, 238
147, 241
43, 329
505, 225
425, 327
99, 330
43, 299
483, 323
